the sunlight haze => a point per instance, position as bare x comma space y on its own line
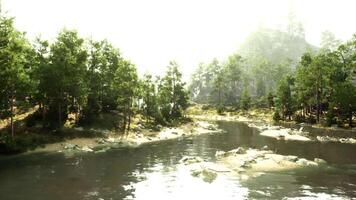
151, 33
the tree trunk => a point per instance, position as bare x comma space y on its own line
350, 117
59, 115
318, 105
43, 112
12, 113
125, 116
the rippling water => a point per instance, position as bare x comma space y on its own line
152, 171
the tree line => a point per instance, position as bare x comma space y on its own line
318, 86
82, 77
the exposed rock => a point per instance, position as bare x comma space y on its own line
239, 150
334, 139
284, 134
291, 158
69, 146
87, 149
305, 162
319, 161
103, 150
219, 153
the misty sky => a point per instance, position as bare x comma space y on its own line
152, 32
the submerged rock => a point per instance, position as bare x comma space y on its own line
103, 150
190, 159
208, 175
239, 150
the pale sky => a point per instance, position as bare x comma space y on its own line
150, 33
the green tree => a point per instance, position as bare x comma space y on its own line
245, 100
14, 80
63, 80
284, 94
172, 96
149, 97
270, 99
126, 84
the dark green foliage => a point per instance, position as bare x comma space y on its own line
14, 71
245, 100
172, 97
284, 94
270, 100
330, 118
220, 109
276, 116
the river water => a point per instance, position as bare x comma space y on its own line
152, 171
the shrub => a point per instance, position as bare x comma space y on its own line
220, 109
276, 116
330, 119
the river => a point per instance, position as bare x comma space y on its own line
152, 171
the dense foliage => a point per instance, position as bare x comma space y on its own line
280, 69
74, 79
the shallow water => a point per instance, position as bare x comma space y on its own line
152, 171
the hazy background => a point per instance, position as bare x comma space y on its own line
150, 33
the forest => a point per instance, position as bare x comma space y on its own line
177, 99
77, 79
73, 80
279, 70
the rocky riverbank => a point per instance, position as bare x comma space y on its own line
133, 139
302, 132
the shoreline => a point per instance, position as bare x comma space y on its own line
131, 140
283, 131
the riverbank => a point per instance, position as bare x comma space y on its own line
132, 139
262, 120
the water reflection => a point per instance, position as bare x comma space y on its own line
153, 172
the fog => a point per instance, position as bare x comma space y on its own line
151, 33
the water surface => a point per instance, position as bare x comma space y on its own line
152, 171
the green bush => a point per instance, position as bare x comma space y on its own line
220, 109
21, 143
276, 116
330, 119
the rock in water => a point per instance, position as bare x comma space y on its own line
87, 149
208, 175
319, 161
219, 153
190, 159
